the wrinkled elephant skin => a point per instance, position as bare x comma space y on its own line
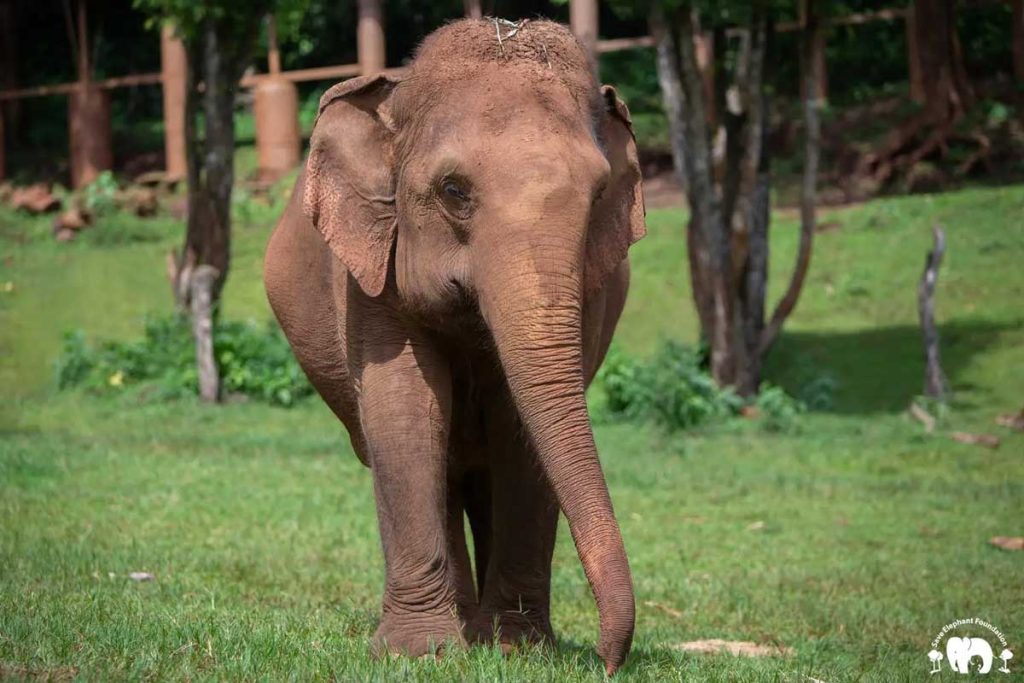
449, 273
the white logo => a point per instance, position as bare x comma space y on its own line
969, 653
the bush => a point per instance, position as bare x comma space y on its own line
253, 361
674, 390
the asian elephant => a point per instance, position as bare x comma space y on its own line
449, 272
960, 651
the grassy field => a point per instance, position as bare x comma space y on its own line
851, 541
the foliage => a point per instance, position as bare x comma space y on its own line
253, 361
98, 195
674, 390
779, 411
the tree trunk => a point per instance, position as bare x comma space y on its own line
947, 90
946, 94
671, 86
808, 189
707, 222
217, 55
727, 237
1018, 41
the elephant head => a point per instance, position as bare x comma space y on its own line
487, 192
960, 651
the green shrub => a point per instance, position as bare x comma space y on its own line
98, 196
674, 390
253, 361
780, 412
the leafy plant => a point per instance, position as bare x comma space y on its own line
674, 390
98, 196
253, 361
780, 411
671, 388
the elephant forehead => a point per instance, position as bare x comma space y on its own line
494, 107
492, 40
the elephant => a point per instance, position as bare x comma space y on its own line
449, 271
960, 652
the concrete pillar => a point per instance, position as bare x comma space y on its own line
173, 69
370, 37
89, 133
583, 21
278, 141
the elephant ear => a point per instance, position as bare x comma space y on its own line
618, 216
349, 191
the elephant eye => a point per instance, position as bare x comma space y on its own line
453, 190
455, 198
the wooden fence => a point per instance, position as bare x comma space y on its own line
88, 100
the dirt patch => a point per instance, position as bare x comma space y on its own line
737, 648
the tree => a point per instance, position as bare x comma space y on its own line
219, 37
946, 90
727, 235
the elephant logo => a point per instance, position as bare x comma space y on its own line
960, 652
968, 653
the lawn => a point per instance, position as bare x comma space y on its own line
851, 540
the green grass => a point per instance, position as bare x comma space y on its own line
868, 535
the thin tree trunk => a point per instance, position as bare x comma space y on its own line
750, 241
202, 288
216, 57
671, 87
934, 379
809, 184
706, 211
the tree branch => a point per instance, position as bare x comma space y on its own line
808, 188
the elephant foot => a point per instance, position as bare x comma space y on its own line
512, 628
417, 635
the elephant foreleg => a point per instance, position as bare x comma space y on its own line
516, 598
405, 409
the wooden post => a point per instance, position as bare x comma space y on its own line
370, 37
914, 57
202, 331
473, 9
88, 118
583, 21
173, 73
935, 384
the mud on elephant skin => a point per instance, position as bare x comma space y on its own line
449, 272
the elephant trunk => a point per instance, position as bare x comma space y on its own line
532, 305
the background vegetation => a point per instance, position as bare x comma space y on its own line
851, 539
